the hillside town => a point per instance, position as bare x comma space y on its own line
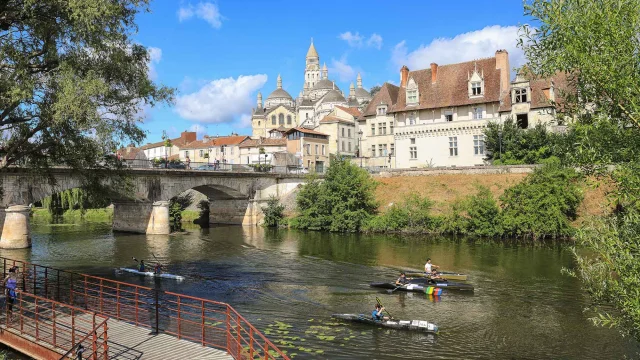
435, 117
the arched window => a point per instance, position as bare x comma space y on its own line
288, 119
273, 119
281, 119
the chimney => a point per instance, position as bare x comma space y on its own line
404, 76
434, 72
502, 64
188, 136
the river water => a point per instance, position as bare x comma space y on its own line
523, 307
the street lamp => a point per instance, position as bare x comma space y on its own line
360, 146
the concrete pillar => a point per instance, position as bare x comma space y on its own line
159, 221
142, 217
15, 229
232, 212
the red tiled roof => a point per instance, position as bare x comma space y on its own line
198, 144
263, 142
388, 94
451, 86
128, 153
229, 140
306, 131
355, 112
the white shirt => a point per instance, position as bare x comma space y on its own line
427, 267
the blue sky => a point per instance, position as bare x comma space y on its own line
219, 54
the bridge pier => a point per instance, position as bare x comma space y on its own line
15, 228
231, 212
142, 217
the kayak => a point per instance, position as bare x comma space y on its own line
423, 287
152, 274
443, 274
413, 325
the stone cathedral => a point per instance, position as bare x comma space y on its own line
318, 97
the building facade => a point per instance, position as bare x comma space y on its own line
376, 129
317, 99
158, 150
441, 112
340, 125
222, 149
310, 147
250, 149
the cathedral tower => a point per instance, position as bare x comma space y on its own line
312, 68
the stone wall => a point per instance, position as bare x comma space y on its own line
463, 170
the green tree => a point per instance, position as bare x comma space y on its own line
597, 42
273, 212
483, 214
343, 202
73, 83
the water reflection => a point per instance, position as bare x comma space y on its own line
523, 307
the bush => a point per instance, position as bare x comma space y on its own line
413, 214
483, 214
273, 212
261, 167
543, 204
343, 202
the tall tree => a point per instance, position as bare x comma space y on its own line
598, 43
73, 83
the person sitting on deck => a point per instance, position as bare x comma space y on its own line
157, 269
402, 280
429, 267
376, 314
141, 266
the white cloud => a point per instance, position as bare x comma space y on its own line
354, 40
155, 55
221, 100
375, 41
357, 41
200, 130
206, 11
244, 122
464, 47
344, 71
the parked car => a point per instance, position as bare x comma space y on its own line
299, 171
209, 167
176, 165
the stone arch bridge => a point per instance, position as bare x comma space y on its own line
234, 198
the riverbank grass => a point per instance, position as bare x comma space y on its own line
91, 215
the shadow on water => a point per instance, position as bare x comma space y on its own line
288, 283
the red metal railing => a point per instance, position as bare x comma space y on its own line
57, 325
207, 322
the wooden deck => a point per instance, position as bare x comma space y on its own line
129, 342
126, 341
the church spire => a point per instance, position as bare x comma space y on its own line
352, 91
325, 71
279, 81
259, 100
312, 53
359, 81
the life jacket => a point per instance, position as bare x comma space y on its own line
12, 285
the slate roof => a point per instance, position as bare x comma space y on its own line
279, 93
325, 84
333, 96
538, 87
361, 92
451, 86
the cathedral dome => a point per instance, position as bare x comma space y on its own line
325, 84
362, 93
334, 96
278, 94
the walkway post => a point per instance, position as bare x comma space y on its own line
157, 312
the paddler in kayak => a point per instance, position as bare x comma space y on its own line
376, 314
141, 266
429, 267
402, 280
157, 269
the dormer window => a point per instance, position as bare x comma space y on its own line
520, 95
476, 83
476, 88
382, 110
412, 92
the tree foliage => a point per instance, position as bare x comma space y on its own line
343, 202
598, 43
73, 83
273, 212
508, 144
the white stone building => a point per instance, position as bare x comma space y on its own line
319, 96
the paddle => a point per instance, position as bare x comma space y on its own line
385, 310
391, 291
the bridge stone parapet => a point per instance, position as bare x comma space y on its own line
235, 198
